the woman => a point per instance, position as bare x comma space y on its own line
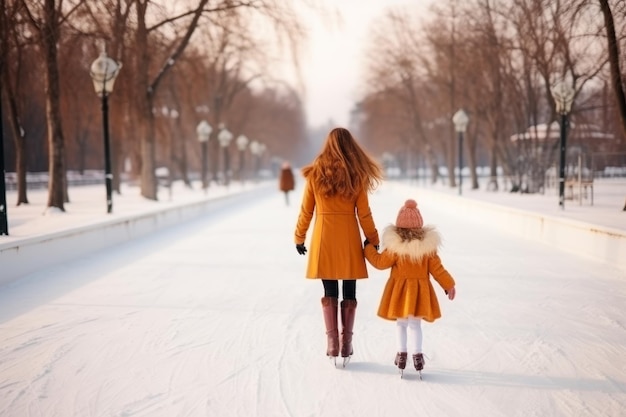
336, 191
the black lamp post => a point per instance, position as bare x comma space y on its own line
204, 130
563, 95
242, 143
4, 223
460, 121
103, 72
224, 137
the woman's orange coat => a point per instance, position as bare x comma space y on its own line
335, 249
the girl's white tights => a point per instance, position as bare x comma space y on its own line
414, 325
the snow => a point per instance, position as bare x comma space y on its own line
213, 317
51, 236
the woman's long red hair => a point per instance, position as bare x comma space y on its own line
343, 168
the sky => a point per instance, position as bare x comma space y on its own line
213, 317
333, 63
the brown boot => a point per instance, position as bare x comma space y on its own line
329, 308
348, 311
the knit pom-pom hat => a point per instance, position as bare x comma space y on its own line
409, 216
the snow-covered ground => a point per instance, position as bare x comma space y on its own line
214, 318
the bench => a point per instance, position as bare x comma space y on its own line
162, 175
575, 189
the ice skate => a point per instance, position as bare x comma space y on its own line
400, 362
418, 362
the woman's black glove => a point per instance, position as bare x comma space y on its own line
367, 242
301, 248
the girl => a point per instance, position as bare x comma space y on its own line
336, 189
410, 250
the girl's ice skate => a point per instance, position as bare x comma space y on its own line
400, 362
418, 362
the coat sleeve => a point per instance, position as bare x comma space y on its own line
379, 260
439, 273
366, 219
306, 213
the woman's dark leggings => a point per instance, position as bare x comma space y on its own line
348, 287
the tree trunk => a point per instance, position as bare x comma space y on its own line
144, 106
56, 161
148, 150
117, 166
119, 30
472, 160
9, 92
614, 60
146, 90
493, 168
20, 145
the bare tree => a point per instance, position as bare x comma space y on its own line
187, 22
395, 75
496, 58
444, 38
614, 62
484, 75
12, 45
146, 85
46, 20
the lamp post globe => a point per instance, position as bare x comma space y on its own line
242, 142
203, 130
460, 120
103, 73
224, 137
563, 95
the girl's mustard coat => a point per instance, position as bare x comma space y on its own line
335, 250
409, 290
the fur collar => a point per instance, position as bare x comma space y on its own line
414, 249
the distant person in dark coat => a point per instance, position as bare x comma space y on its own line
287, 182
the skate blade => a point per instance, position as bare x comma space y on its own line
333, 360
346, 361
419, 375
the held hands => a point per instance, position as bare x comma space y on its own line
301, 248
451, 293
367, 242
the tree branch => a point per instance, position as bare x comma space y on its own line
181, 46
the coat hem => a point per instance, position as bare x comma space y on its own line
336, 279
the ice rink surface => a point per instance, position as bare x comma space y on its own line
215, 318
